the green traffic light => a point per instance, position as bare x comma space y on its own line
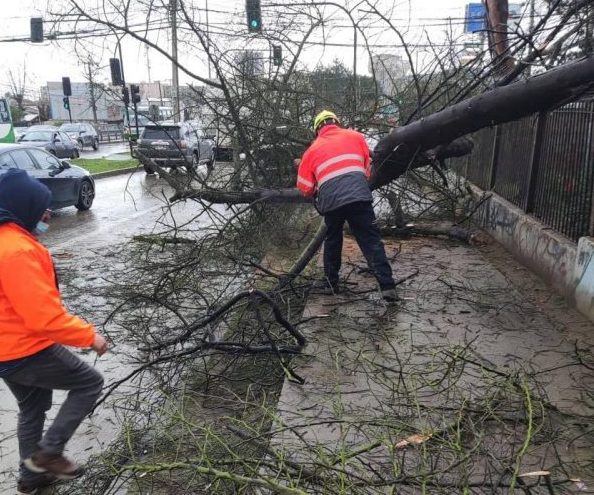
254, 23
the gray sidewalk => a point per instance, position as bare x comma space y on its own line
479, 375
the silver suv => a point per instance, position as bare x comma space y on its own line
176, 144
82, 133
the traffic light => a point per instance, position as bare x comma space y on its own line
254, 16
135, 91
125, 95
116, 72
66, 102
66, 88
36, 29
277, 55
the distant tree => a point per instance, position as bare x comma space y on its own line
94, 89
334, 87
17, 80
580, 17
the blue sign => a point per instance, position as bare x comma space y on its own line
475, 19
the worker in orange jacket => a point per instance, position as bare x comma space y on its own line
335, 169
34, 326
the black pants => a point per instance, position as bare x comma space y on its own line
54, 368
361, 219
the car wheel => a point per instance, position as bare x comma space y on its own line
86, 195
75, 154
96, 144
211, 160
195, 160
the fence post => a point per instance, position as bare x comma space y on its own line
590, 165
533, 172
494, 157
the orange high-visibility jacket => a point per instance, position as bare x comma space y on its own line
335, 152
32, 316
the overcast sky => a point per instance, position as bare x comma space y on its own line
51, 61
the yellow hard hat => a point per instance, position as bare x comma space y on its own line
322, 117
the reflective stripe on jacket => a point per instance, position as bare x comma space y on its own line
32, 316
335, 152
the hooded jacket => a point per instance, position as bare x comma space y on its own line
32, 316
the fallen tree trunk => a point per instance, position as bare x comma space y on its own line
243, 197
454, 232
182, 186
394, 154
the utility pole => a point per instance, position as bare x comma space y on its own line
355, 80
531, 30
92, 94
175, 74
148, 62
208, 40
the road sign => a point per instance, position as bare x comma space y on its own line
475, 19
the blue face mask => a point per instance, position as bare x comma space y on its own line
41, 228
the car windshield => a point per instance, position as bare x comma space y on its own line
38, 136
161, 133
42, 127
71, 128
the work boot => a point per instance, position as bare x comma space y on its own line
325, 288
56, 464
389, 295
32, 486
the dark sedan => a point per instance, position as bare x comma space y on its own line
70, 185
82, 132
54, 141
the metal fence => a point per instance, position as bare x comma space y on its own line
543, 163
109, 132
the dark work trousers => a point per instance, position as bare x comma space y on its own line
361, 219
32, 385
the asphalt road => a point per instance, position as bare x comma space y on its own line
125, 205
118, 151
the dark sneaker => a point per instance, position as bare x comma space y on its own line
30, 487
56, 464
389, 295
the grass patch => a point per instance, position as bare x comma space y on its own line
96, 165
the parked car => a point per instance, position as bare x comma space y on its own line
176, 144
83, 133
54, 141
41, 127
70, 185
19, 131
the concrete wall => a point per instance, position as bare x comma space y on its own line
566, 266
583, 292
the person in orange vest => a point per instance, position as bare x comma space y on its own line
34, 328
335, 169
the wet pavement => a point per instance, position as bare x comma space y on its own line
476, 305
478, 356
119, 151
83, 245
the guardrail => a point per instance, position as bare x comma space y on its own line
110, 132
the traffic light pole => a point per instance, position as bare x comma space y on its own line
66, 102
136, 120
123, 87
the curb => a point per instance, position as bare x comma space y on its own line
120, 171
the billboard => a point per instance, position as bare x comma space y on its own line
475, 18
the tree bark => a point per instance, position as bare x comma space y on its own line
394, 153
